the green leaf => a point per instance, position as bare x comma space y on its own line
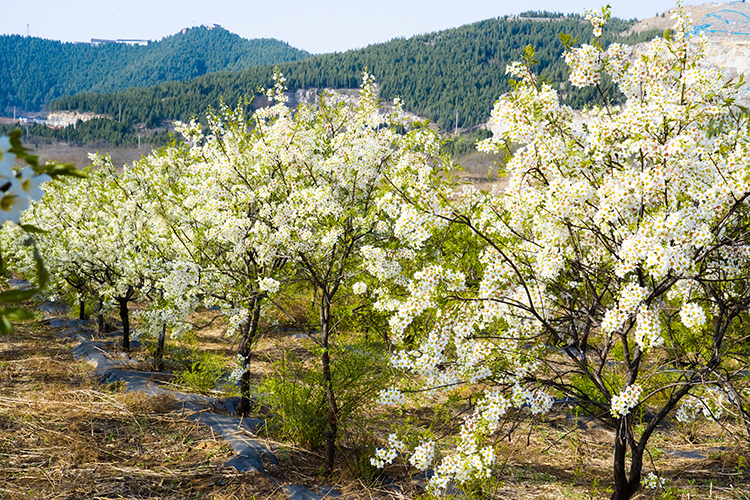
32, 160
16, 313
21, 152
17, 295
30, 228
5, 326
59, 169
528, 55
41, 272
567, 40
15, 143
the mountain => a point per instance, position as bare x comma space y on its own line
451, 76
36, 71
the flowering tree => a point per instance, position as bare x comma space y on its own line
613, 270
320, 171
157, 267
205, 195
288, 199
92, 239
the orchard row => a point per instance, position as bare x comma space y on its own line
613, 272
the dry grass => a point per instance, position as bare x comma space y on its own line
62, 436
555, 459
61, 152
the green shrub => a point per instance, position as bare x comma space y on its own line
204, 374
294, 390
196, 370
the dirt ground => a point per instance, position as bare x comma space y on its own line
63, 436
61, 152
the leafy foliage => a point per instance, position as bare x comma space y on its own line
17, 189
295, 391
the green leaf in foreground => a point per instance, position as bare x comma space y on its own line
30, 228
16, 313
17, 295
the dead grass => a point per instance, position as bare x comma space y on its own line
62, 152
62, 436
483, 170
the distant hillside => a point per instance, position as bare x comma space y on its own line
435, 74
36, 71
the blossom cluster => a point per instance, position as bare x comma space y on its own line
585, 65
423, 455
269, 285
631, 298
628, 399
712, 404
236, 374
391, 397
652, 481
648, 329
692, 315
387, 455
598, 20
359, 288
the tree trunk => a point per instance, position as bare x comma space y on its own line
81, 309
101, 325
249, 332
636, 467
621, 447
124, 317
333, 412
159, 355
625, 488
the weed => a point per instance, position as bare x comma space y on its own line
295, 392
203, 375
201, 371
598, 491
671, 493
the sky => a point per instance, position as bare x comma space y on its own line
318, 26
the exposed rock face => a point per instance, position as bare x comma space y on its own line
717, 20
65, 118
727, 26
311, 95
349, 96
733, 56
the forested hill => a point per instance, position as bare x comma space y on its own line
434, 74
36, 70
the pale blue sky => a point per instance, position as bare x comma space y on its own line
316, 26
